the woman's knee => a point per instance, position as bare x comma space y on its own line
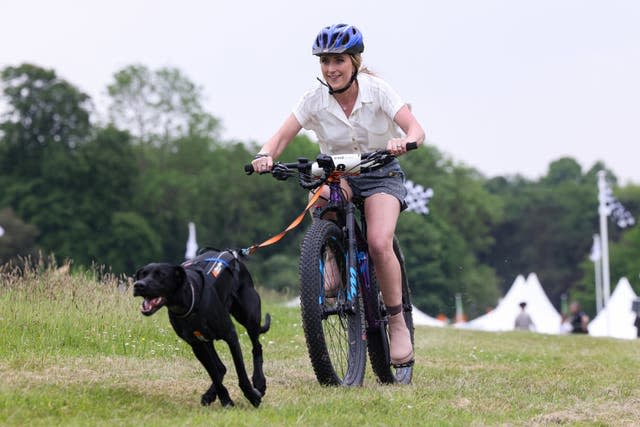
380, 247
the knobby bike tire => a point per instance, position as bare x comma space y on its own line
335, 341
377, 337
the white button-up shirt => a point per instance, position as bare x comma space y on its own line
369, 127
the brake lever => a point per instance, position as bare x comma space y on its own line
280, 172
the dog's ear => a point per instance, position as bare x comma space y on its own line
181, 275
137, 275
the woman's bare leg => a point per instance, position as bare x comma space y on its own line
382, 211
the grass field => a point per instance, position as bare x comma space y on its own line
74, 351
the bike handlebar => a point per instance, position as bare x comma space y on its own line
304, 163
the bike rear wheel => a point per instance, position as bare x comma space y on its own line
331, 307
377, 336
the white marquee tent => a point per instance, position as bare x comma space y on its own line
500, 318
422, 319
544, 315
616, 319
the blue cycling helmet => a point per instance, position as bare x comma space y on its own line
339, 38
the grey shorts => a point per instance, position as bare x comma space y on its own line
389, 179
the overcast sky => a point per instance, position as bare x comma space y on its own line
504, 86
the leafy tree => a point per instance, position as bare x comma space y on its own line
563, 170
158, 106
46, 117
107, 188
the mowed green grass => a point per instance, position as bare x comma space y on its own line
77, 352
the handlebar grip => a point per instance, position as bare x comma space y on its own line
248, 169
412, 145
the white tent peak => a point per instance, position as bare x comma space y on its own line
515, 291
543, 313
616, 319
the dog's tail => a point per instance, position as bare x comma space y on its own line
267, 323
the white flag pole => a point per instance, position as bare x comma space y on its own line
596, 257
603, 210
604, 237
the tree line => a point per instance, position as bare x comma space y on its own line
118, 191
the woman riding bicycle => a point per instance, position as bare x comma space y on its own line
353, 111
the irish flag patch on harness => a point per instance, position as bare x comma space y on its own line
216, 269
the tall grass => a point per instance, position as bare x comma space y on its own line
50, 312
74, 350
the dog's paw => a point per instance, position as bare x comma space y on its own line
225, 399
254, 396
259, 383
208, 398
228, 404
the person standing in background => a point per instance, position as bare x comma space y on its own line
523, 320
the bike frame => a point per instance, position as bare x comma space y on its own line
357, 250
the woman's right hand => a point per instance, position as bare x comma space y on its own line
262, 163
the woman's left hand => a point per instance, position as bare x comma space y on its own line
397, 146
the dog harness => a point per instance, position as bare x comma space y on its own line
213, 262
209, 265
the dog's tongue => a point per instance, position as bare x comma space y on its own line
150, 305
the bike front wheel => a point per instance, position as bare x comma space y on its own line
331, 307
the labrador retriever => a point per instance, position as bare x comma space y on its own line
201, 295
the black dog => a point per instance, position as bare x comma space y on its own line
200, 295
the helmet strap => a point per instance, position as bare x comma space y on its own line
341, 90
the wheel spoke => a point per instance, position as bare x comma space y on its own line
336, 334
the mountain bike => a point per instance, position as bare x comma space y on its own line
343, 313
